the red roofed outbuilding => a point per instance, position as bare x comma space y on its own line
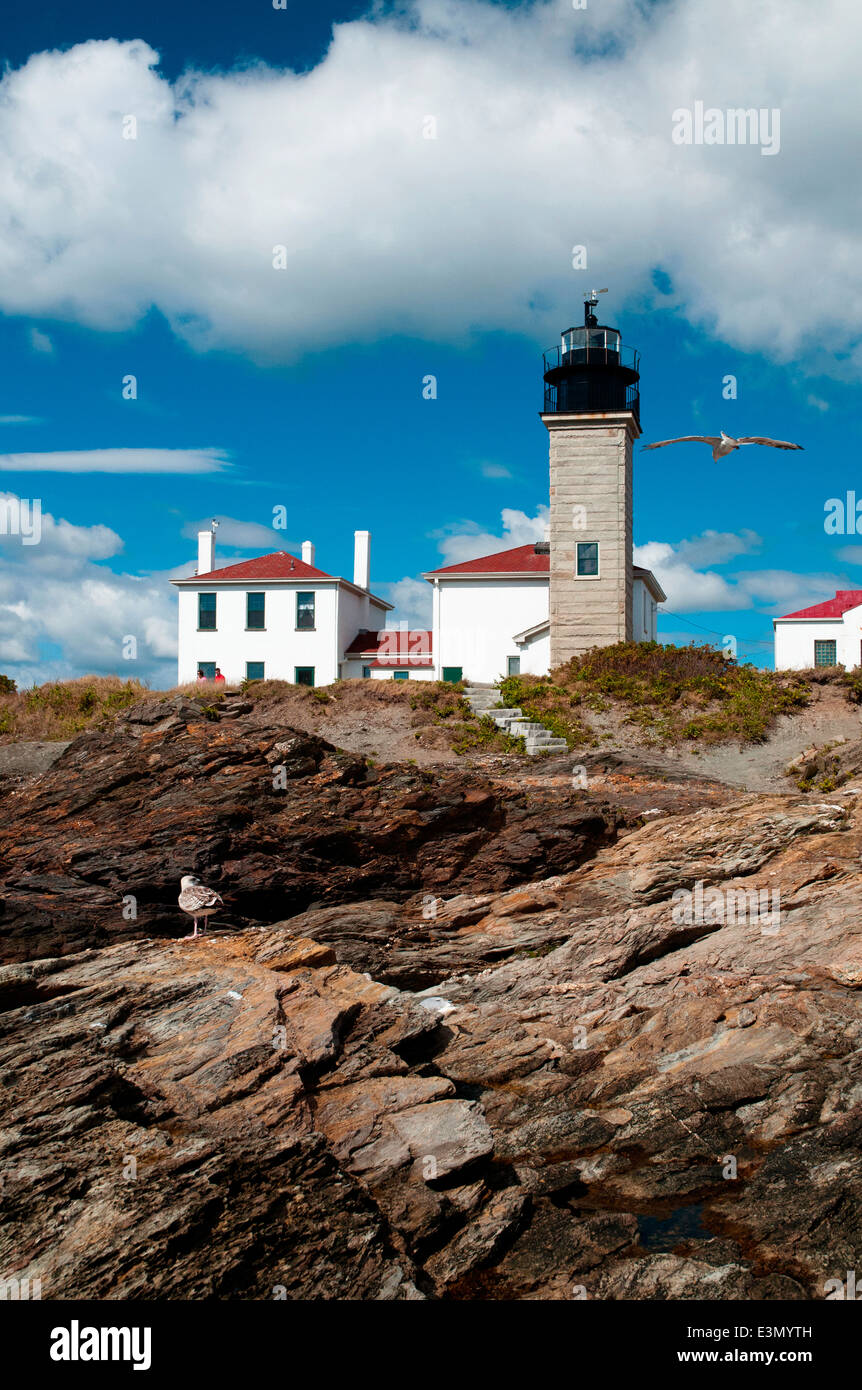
825, 634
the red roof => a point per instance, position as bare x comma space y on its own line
523, 559
393, 647
278, 565
833, 607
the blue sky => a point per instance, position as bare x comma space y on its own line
449, 257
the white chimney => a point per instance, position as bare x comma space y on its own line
307, 553
206, 550
362, 559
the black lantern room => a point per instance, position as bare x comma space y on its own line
591, 372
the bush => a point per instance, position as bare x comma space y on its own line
672, 693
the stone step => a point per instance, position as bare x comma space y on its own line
537, 739
552, 745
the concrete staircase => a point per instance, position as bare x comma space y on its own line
482, 699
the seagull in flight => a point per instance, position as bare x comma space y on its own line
198, 901
724, 444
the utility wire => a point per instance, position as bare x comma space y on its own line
740, 641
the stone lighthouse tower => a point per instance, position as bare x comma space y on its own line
592, 414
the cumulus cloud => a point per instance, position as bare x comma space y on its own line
548, 127
466, 540
691, 590
62, 614
411, 599
782, 591
688, 590
118, 461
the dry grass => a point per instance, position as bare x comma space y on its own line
62, 709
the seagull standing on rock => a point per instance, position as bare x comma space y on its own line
723, 444
198, 901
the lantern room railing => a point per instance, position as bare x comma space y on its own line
596, 347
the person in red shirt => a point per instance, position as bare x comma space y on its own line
219, 678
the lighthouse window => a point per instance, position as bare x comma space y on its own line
825, 653
587, 561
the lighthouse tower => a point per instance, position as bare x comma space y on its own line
592, 414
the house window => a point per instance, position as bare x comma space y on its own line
303, 675
366, 673
513, 666
587, 560
304, 612
453, 673
825, 653
400, 675
254, 671
255, 612
207, 670
206, 612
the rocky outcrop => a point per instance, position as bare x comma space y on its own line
604, 1090
278, 821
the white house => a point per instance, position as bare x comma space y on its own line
827, 634
276, 617
492, 614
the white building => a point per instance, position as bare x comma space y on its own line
278, 617
827, 634
492, 614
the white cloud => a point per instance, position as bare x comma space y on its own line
495, 470
782, 591
20, 420
118, 461
466, 540
688, 590
553, 129
692, 590
716, 547
40, 342
63, 615
245, 535
412, 602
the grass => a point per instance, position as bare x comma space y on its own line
441, 706
62, 709
669, 694
672, 694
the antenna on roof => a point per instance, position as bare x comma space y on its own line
213, 525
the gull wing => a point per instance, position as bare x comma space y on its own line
198, 896
761, 439
712, 439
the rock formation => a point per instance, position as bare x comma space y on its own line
486, 1053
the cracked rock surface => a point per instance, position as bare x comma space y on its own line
553, 1084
